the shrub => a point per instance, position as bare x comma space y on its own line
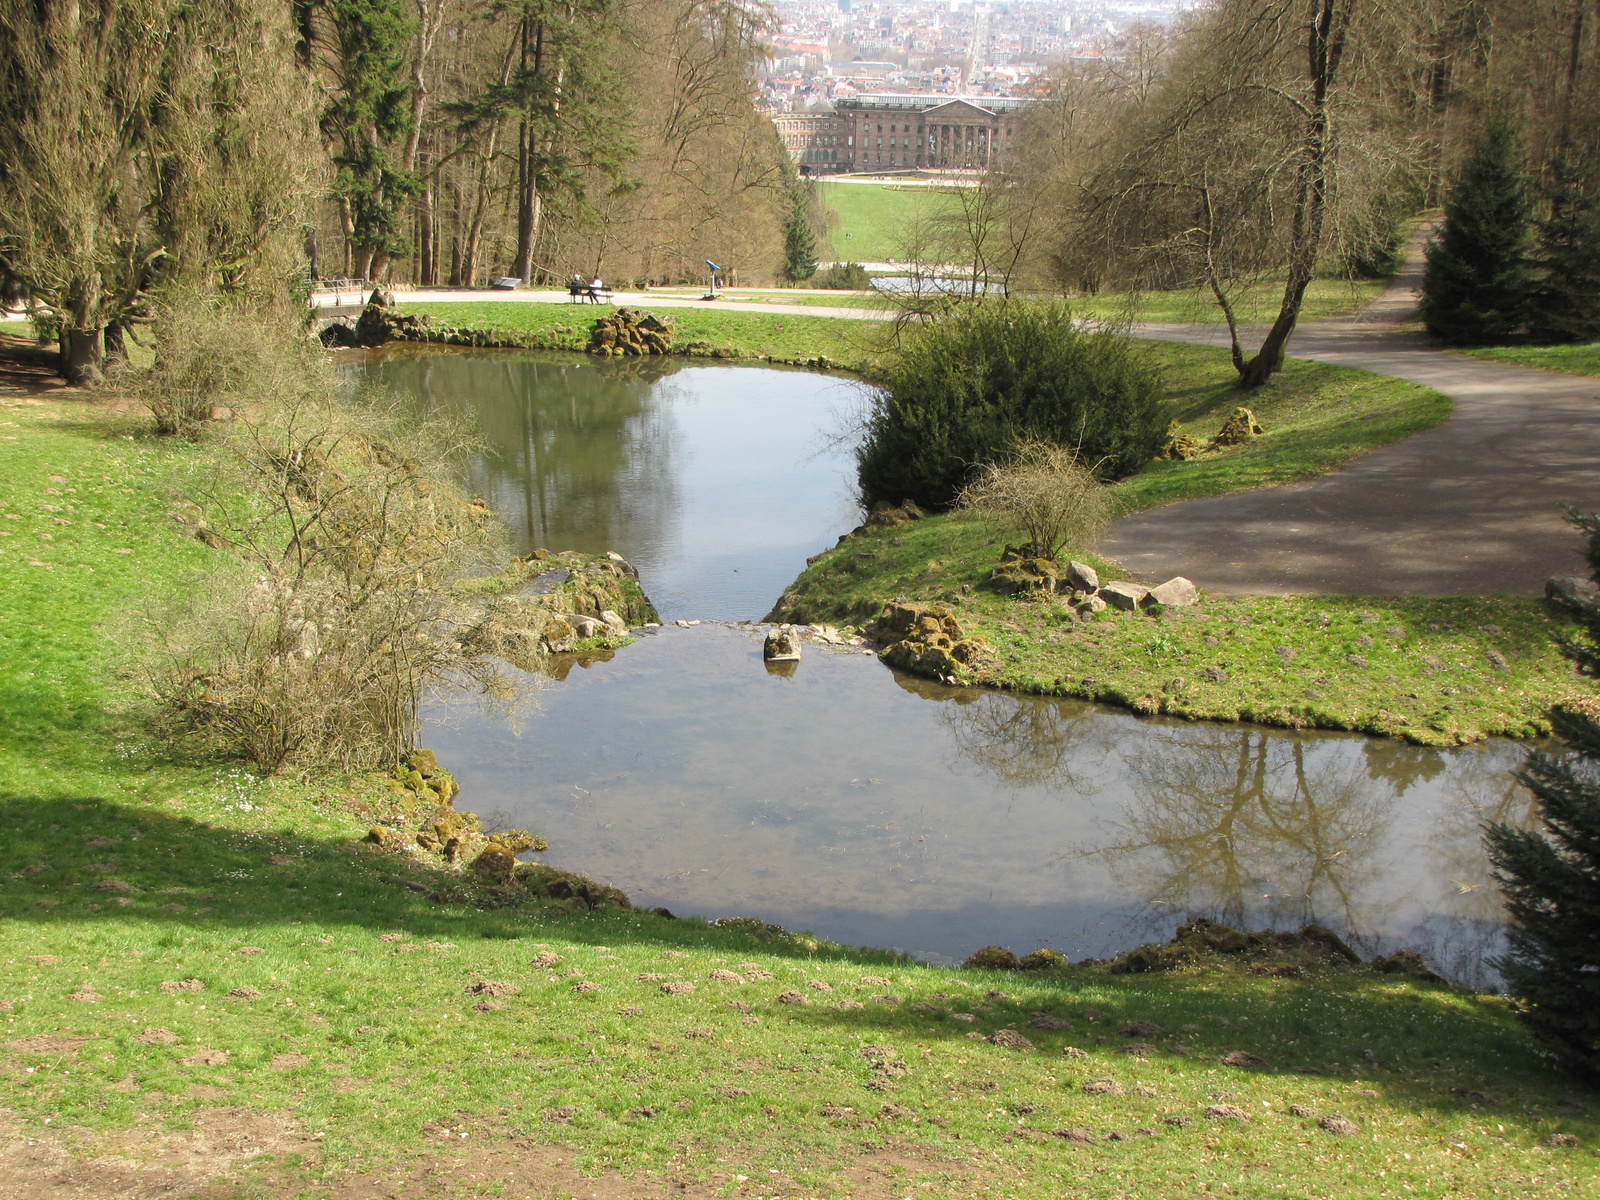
332, 608
1045, 492
963, 391
850, 277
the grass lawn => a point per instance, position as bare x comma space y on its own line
1325, 298
1437, 671
1572, 360
845, 342
1317, 417
873, 219
211, 985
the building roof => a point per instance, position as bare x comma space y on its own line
920, 101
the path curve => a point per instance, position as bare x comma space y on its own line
1470, 507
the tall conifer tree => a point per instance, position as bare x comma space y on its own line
799, 242
1478, 281
1551, 879
1566, 302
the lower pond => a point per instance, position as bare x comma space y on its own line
874, 808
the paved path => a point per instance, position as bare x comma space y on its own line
1469, 507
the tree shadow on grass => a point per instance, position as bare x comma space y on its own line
87, 860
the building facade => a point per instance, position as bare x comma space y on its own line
891, 132
815, 141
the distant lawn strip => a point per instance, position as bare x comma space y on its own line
1570, 360
702, 333
1325, 299
191, 949
1432, 671
1317, 418
876, 221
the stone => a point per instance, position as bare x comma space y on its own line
1091, 606
1122, 594
613, 622
1176, 592
1569, 588
585, 627
1239, 428
558, 636
1083, 577
781, 644
992, 958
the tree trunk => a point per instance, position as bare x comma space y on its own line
81, 356
427, 232
116, 336
1325, 49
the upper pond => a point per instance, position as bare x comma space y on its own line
870, 807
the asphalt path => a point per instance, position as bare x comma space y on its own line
1469, 507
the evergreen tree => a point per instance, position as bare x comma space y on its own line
1551, 880
799, 242
1566, 302
1478, 280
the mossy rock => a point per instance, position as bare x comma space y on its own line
1321, 938
423, 762
1408, 963
1151, 959
1202, 934
1046, 959
992, 958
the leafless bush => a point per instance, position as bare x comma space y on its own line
1045, 491
213, 355
315, 640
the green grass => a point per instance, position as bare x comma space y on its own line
1419, 668
1317, 418
1571, 360
124, 868
1325, 298
873, 219
845, 342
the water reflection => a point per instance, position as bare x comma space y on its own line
713, 480
883, 810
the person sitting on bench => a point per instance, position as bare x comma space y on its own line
596, 286
576, 288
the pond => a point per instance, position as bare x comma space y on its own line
877, 809
714, 481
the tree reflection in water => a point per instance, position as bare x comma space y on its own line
1249, 827
1024, 741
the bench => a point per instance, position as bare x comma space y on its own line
576, 294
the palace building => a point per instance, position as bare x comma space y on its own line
891, 132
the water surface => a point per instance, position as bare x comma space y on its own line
715, 481
878, 809
869, 807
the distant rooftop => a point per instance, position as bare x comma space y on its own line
931, 99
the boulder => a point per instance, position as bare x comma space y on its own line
586, 627
559, 636
1239, 428
1176, 592
613, 622
1569, 589
1083, 577
1090, 606
1122, 594
782, 644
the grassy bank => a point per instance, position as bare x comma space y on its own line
1437, 671
1317, 418
1570, 360
212, 985
711, 333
